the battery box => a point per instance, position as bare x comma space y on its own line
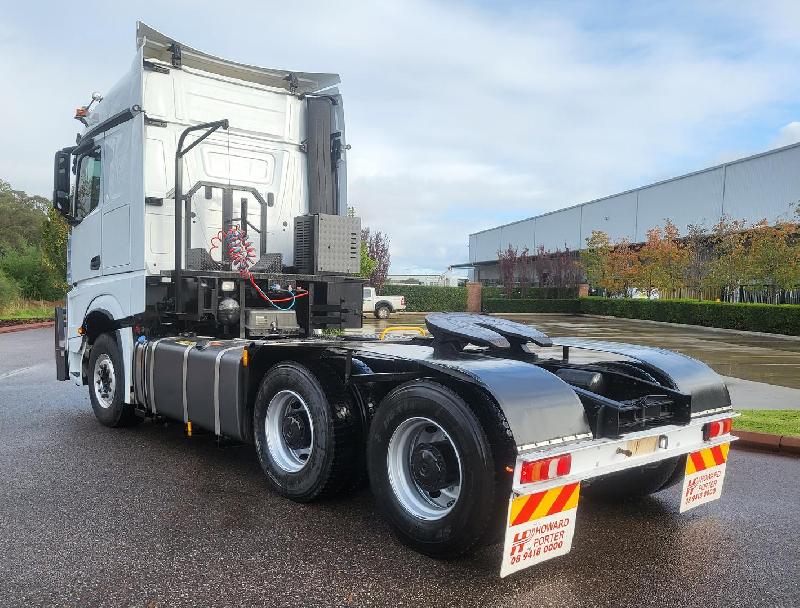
266, 322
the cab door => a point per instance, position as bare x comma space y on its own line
369, 300
85, 241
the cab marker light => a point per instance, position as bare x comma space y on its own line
245, 358
546, 468
717, 428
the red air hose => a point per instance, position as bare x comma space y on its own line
242, 255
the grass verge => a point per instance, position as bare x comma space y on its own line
778, 422
27, 310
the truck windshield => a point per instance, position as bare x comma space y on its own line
87, 195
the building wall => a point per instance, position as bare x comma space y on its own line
764, 186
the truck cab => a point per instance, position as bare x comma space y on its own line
185, 154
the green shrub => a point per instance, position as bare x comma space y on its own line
432, 298
536, 293
26, 267
770, 318
568, 305
9, 291
429, 298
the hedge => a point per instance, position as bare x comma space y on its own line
569, 305
433, 298
429, 298
534, 293
770, 318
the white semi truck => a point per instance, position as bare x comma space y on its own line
209, 250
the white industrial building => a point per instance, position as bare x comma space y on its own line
763, 186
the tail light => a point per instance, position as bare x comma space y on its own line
546, 468
402, 301
717, 428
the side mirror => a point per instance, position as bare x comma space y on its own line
61, 199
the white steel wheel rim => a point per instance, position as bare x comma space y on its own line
290, 459
104, 381
383, 312
414, 499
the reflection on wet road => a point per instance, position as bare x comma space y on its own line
769, 359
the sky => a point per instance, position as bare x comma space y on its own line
461, 115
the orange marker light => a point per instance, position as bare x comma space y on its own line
245, 358
81, 331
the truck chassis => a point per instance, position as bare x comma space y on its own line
445, 427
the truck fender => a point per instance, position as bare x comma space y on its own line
382, 303
106, 306
706, 388
539, 406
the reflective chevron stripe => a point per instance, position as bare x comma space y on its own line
707, 458
542, 504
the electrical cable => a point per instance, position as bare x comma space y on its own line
242, 255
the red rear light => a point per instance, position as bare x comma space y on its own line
717, 428
402, 301
546, 468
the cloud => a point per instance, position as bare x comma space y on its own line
461, 116
789, 134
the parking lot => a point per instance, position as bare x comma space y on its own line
92, 516
762, 371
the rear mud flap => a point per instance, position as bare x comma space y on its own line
539, 527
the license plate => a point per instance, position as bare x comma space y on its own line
645, 445
705, 472
539, 527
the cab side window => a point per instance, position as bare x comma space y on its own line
87, 188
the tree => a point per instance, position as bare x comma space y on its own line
774, 255
507, 262
697, 253
55, 232
377, 250
566, 268
367, 263
595, 258
526, 271
623, 268
23, 216
662, 261
729, 265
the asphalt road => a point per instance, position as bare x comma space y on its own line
91, 516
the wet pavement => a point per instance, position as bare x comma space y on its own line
91, 516
757, 365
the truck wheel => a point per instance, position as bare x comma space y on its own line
305, 431
431, 469
106, 384
677, 474
382, 311
632, 483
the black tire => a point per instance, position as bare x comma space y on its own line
105, 370
474, 510
633, 483
382, 311
331, 463
677, 475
